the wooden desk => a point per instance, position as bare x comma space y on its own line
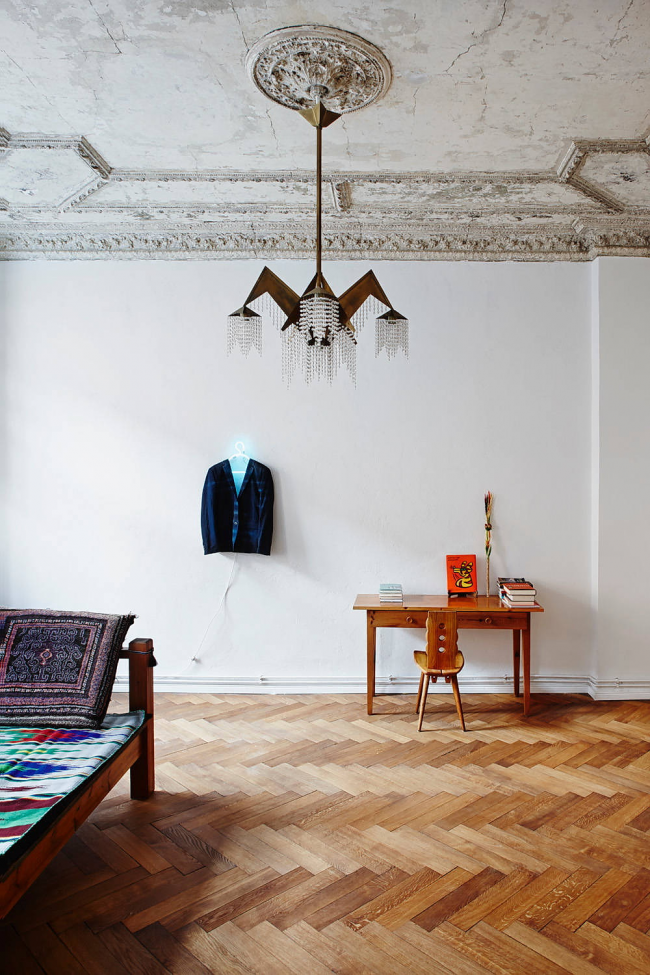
473, 613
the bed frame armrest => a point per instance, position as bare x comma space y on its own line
139, 653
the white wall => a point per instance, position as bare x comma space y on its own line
119, 396
623, 538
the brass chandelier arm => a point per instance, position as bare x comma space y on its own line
366, 287
282, 294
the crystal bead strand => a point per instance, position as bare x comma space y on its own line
369, 309
392, 337
244, 333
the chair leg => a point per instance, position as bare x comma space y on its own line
459, 706
423, 704
417, 703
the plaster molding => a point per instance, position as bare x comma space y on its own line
285, 65
371, 216
583, 243
596, 193
208, 176
78, 144
301, 176
81, 194
572, 163
342, 192
410, 216
577, 150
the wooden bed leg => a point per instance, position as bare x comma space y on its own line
142, 772
141, 662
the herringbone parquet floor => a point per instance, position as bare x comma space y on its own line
298, 835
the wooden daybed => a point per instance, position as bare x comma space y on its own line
137, 754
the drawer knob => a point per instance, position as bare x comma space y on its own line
488, 619
409, 619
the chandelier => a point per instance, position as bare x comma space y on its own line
316, 70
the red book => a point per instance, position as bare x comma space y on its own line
461, 575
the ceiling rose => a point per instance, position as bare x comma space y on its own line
291, 64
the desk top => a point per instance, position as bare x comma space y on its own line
462, 604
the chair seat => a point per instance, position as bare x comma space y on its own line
420, 657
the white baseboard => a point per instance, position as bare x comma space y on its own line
600, 690
618, 690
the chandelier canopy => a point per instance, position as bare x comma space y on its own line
309, 69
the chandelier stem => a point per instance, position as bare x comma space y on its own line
319, 194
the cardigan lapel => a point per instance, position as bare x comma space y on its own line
247, 475
227, 469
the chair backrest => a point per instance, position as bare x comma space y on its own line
442, 640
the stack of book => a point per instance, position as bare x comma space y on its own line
390, 592
517, 592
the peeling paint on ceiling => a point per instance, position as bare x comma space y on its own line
487, 96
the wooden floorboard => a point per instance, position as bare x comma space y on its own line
293, 834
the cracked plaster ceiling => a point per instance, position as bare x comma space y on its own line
512, 128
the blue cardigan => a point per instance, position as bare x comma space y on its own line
237, 523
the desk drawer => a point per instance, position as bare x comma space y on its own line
402, 617
487, 621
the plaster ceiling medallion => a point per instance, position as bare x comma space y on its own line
293, 64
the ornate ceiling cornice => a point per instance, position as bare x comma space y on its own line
62, 199
582, 243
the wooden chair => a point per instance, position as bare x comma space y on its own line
442, 658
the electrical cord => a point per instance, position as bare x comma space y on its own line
196, 659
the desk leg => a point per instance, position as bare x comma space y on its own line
371, 637
526, 641
516, 654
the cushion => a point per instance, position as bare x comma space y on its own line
57, 669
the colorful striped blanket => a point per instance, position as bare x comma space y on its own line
41, 766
